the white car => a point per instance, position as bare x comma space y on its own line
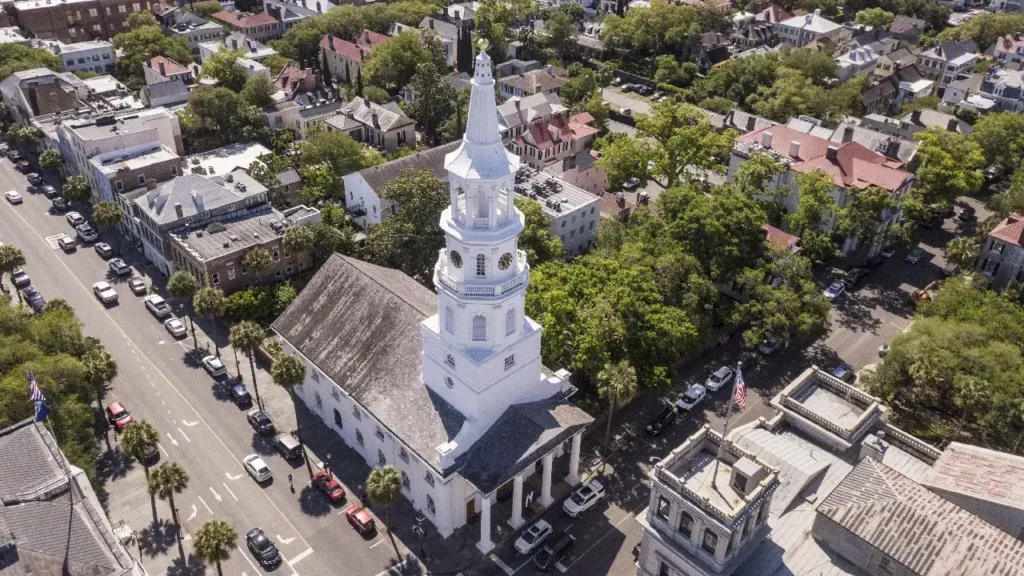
157, 305
533, 537
175, 327
257, 468
13, 197
75, 219
835, 290
104, 292
719, 378
214, 366
694, 395
584, 498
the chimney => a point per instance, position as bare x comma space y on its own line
162, 69
551, 70
832, 153
794, 149
234, 43
766, 140
518, 104
431, 21
915, 117
848, 134
374, 120
953, 125
178, 210
620, 200
330, 41
1016, 35
817, 12
751, 122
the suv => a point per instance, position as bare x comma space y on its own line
119, 267
720, 378
86, 233
104, 250
157, 305
694, 395
583, 499
67, 243
554, 553
288, 446
260, 421
663, 420
770, 345
35, 179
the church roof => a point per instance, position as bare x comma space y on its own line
360, 324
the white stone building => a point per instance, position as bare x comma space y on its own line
90, 56
449, 388
802, 30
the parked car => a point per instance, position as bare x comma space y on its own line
74, 219
694, 395
35, 179
327, 484
67, 243
49, 191
771, 345
915, 255
558, 549
360, 519
835, 290
119, 267
719, 378
663, 420
617, 81
854, 276
584, 498
137, 286
534, 536
13, 197
59, 204
104, 250
22, 166
157, 306
118, 416
104, 292
887, 252
13, 155
262, 548
239, 394
20, 278
214, 366
257, 468
260, 421
86, 233
875, 262
288, 446
844, 372
34, 299
631, 184
175, 327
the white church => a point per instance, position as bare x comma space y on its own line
447, 387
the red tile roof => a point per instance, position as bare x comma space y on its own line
171, 68
261, 19
542, 135
780, 238
344, 47
371, 39
610, 206
1010, 230
855, 165
774, 14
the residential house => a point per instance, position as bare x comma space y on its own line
533, 82
261, 27
73, 21
750, 32
447, 34
87, 56
739, 121
517, 114
384, 126
857, 61
710, 49
908, 29
863, 132
170, 94
293, 80
967, 88
41, 91
589, 42
214, 252
160, 69
249, 48
291, 12
879, 41
926, 118
893, 61
11, 35
549, 142
194, 29
345, 59
948, 62
1009, 50
801, 30
888, 93
773, 14
850, 165
1002, 256
514, 66
616, 205
1005, 87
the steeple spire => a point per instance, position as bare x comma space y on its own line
482, 154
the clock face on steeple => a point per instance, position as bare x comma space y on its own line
505, 261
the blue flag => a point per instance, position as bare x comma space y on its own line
42, 410
36, 395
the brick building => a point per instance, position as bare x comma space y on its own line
76, 20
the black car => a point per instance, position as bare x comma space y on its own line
854, 276
60, 204
35, 179
663, 420
14, 156
260, 422
262, 548
558, 547
240, 395
34, 299
875, 261
49, 191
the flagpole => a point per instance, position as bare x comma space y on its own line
725, 429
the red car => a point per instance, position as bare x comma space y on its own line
329, 486
360, 519
118, 416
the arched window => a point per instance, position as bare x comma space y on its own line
482, 206
710, 543
686, 525
449, 320
481, 265
510, 321
479, 328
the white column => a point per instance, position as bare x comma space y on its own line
574, 461
545, 483
485, 545
517, 502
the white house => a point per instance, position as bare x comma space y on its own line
90, 56
802, 30
447, 387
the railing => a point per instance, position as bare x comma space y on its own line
841, 388
908, 441
801, 410
480, 290
481, 222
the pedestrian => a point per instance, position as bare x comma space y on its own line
291, 486
529, 498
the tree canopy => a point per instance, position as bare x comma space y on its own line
139, 44
409, 239
223, 67
216, 116
15, 58
393, 64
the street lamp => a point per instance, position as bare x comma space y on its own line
421, 532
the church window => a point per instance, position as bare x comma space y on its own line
479, 328
356, 413
450, 360
449, 322
337, 419
359, 437
449, 382
319, 400
379, 433
510, 321
505, 261
710, 543
381, 460
481, 265
405, 480
456, 259
430, 505
429, 478
510, 361
404, 455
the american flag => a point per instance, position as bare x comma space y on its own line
740, 395
34, 393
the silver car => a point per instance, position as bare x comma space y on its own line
175, 327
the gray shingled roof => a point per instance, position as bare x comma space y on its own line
166, 89
443, 29
388, 117
432, 159
195, 193
360, 324
530, 108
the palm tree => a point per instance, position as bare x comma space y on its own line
140, 438
963, 252
100, 371
382, 486
10, 258
168, 479
184, 285
616, 383
247, 337
209, 303
76, 189
108, 215
258, 261
289, 372
51, 160
214, 541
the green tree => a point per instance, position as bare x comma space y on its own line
494, 19
25, 137
343, 154
258, 90
455, 127
328, 239
214, 541
184, 285
15, 58
136, 46
963, 252
863, 214
579, 89
561, 30
319, 182
760, 176
985, 29
165, 481
51, 160
206, 9
107, 216
139, 19
100, 371
257, 261
393, 64
298, 239
616, 384
288, 372
383, 486
686, 143
209, 303
247, 336
1001, 138
216, 116
812, 217
626, 158
138, 439
276, 62
376, 94
536, 238
76, 189
783, 300
875, 18
670, 71
433, 100
948, 165
11, 258
409, 239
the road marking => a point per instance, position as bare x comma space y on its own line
229, 491
161, 342
183, 435
246, 556
502, 565
173, 441
52, 241
162, 449
285, 540
189, 424
133, 348
302, 555
235, 477
195, 511
379, 542
631, 514
205, 505
561, 568
215, 495
394, 569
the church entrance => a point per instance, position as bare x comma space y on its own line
471, 510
